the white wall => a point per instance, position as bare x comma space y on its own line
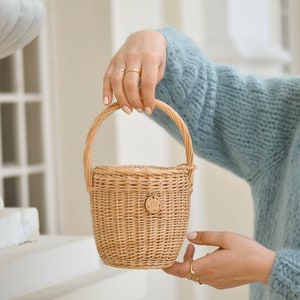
81, 42
294, 36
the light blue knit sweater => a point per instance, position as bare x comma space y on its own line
250, 126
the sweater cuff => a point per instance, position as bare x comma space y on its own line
285, 278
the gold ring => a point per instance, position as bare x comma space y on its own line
132, 70
192, 275
119, 69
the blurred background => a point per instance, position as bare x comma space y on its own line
51, 91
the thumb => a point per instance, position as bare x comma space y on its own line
209, 238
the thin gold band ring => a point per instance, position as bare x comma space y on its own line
132, 70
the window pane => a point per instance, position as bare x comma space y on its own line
9, 133
6, 75
34, 133
31, 70
37, 197
11, 187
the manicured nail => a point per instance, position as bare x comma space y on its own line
140, 110
148, 110
105, 100
191, 235
127, 110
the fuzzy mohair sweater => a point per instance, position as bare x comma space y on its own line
250, 126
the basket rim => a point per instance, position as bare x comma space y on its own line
142, 169
145, 167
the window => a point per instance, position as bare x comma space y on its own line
26, 169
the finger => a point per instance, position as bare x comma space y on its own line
117, 77
189, 253
200, 266
179, 269
211, 238
182, 269
131, 87
107, 91
148, 83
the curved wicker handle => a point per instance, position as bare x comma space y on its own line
87, 158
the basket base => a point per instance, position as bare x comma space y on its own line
134, 265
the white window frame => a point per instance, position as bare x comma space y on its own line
21, 168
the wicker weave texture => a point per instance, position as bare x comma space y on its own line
128, 232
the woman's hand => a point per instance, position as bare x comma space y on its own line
135, 70
237, 260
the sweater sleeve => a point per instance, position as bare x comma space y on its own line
241, 123
285, 279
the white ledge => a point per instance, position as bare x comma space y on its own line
107, 283
49, 261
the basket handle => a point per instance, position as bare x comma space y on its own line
87, 158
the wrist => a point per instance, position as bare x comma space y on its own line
267, 266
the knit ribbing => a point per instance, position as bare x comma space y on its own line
285, 279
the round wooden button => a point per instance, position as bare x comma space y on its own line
153, 204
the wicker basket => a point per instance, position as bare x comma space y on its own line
140, 213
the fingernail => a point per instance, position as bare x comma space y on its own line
191, 235
127, 110
148, 110
140, 110
105, 100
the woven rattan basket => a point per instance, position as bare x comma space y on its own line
140, 213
